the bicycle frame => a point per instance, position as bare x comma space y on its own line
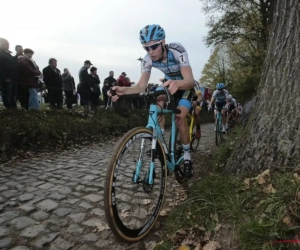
157, 135
191, 125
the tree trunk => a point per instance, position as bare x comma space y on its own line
272, 137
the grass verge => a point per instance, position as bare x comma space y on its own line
236, 212
22, 132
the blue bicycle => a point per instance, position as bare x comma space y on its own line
137, 173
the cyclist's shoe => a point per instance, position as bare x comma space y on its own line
188, 169
223, 130
198, 134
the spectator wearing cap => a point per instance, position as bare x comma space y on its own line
8, 75
122, 80
69, 87
95, 95
29, 80
86, 84
53, 81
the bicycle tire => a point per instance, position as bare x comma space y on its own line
217, 131
113, 217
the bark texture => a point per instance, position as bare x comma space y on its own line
272, 136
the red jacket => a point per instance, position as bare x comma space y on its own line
122, 82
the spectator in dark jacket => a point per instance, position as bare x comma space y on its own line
29, 79
69, 87
53, 81
23, 93
8, 75
86, 84
105, 89
19, 52
111, 80
95, 95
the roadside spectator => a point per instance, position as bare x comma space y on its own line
111, 80
105, 89
86, 85
68, 87
95, 95
122, 81
8, 75
19, 52
22, 92
53, 81
29, 77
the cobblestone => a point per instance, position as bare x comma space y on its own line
56, 203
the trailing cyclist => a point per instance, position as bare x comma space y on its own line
221, 98
239, 110
197, 106
172, 60
231, 110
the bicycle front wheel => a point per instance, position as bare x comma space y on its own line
131, 208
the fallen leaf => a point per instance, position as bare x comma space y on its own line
297, 177
212, 245
184, 248
269, 189
217, 228
186, 242
101, 227
124, 214
247, 183
199, 247
287, 220
150, 245
146, 201
163, 212
261, 180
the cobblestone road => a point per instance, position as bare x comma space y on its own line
55, 202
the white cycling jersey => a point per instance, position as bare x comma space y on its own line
233, 101
177, 57
220, 96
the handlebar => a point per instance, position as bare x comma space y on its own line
165, 91
151, 94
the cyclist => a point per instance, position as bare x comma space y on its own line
231, 106
172, 60
197, 106
221, 98
239, 111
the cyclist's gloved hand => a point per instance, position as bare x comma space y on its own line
115, 92
172, 84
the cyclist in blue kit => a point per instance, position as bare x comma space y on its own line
172, 60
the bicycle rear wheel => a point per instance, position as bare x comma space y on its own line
131, 209
195, 141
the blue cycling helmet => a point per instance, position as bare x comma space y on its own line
152, 33
220, 86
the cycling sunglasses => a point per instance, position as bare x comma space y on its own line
153, 46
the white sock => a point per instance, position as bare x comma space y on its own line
186, 152
163, 131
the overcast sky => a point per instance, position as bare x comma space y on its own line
106, 32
